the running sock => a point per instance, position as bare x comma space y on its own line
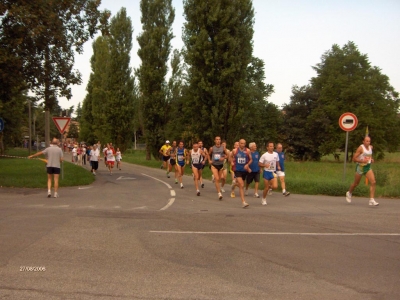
284, 191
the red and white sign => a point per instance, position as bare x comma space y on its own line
348, 121
61, 123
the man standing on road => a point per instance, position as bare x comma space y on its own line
165, 157
255, 170
270, 162
281, 173
363, 158
54, 158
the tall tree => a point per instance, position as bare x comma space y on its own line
43, 35
218, 49
155, 47
121, 83
98, 89
346, 82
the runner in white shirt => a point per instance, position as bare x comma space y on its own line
110, 159
118, 157
270, 162
94, 158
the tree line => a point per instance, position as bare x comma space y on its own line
213, 86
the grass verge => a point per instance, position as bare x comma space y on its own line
31, 173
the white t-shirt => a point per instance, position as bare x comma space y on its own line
94, 155
110, 155
74, 152
270, 158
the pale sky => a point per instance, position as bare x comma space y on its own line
290, 36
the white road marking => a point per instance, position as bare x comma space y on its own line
281, 233
124, 178
140, 207
173, 194
171, 201
117, 206
170, 187
36, 205
60, 206
84, 187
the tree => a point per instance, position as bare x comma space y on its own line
155, 47
346, 82
218, 49
41, 36
121, 83
98, 89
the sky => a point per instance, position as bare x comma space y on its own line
290, 36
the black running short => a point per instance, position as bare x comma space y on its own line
218, 167
165, 158
253, 176
172, 162
198, 166
52, 170
241, 174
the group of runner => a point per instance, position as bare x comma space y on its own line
244, 165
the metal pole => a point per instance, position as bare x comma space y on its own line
30, 127
345, 156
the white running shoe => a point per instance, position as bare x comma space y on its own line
233, 195
245, 204
286, 193
372, 202
264, 201
256, 195
270, 192
181, 185
246, 192
56, 195
222, 190
219, 196
48, 194
348, 197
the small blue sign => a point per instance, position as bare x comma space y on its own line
1, 124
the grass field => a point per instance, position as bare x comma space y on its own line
31, 173
316, 178
313, 178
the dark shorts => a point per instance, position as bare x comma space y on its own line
165, 158
241, 174
95, 165
253, 176
218, 167
52, 170
172, 162
198, 166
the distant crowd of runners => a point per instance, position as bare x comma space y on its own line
242, 163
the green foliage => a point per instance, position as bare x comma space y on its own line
155, 47
218, 50
345, 82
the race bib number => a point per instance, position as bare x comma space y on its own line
272, 165
195, 160
180, 157
217, 157
241, 160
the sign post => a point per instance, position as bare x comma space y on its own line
61, 124
347, 122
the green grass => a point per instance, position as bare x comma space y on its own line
316, 178
31, 173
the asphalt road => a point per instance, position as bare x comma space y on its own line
137, 235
